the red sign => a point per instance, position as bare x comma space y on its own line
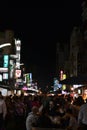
17, 73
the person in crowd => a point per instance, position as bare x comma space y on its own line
20, 112
35, 101
3, 110
51, 108
82, 117
44, 120
32, 118
72, 124
10, 120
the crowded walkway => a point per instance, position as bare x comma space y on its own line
42, 111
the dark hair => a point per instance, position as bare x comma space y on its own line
44, 111
69, 111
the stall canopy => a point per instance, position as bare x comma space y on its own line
75, 80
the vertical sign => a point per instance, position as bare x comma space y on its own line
6, 61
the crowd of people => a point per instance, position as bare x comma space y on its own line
42, 111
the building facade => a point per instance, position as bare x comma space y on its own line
62, 54
75, 48
7, 37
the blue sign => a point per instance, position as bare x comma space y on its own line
6, 60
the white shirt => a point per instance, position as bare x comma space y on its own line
30, 119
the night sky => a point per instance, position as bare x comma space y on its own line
39, 29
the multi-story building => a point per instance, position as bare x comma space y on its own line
75, 47
62, 54
9, 58
7, 37
83, 52
78, 46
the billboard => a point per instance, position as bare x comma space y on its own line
5, 76
6, 61
17, 73
56, 84
11, 68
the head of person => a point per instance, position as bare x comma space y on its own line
51, 104
35, 109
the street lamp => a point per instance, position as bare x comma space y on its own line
5, 44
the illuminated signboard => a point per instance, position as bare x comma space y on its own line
5, 76
11, 68
17, 73
56, 84
28, 77
3, 69
64, 86
6, 60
